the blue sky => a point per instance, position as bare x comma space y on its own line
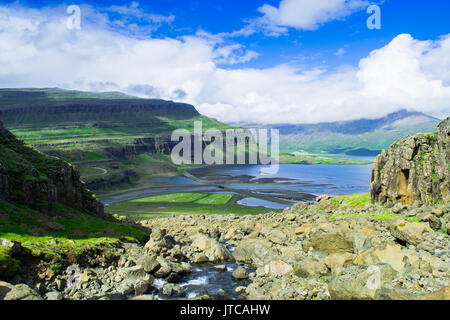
424, 20
268, 44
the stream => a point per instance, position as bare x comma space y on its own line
214, 280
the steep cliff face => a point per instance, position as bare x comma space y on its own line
31, 178
414, 169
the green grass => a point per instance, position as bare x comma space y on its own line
57, 248
352, 201
430, 136
312, 159
360, 201
183, 197
218, 198
173, 197
144, 211
90, 171
88, 147
377, 216
182, 203
8, 265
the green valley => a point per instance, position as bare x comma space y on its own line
115, 140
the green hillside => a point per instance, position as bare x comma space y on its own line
48, 219
115, 140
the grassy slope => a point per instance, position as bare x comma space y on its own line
350, 206
58, 234
78, 233
84, 146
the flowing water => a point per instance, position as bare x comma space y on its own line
214, 280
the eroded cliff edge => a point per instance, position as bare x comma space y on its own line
31, 178
414, 169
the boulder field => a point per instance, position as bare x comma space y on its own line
334, 249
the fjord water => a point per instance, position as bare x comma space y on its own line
313, 180
322, 178
292, 183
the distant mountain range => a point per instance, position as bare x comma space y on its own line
363, 137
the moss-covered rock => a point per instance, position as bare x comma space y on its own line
414, 169
8, 265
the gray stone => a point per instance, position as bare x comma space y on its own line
54, 295
5, 287
22, 292
211, 248
240, 273
361, 283
332, 241
149, 263
311, 266
255, 251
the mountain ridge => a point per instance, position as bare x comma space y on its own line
114, 139
362, 137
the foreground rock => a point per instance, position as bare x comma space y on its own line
211, 248
326, 252
361, 283
17, 292
365, 252
414, 169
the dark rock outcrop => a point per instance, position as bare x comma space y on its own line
414, 169
32, 178
4, 183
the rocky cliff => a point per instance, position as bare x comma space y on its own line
414, 169
31, 178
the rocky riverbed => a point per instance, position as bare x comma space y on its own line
341, 248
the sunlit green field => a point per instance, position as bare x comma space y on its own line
183, 203
200, 198
313, 159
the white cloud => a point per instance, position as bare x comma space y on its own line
309, 15
298, 14
340, 52
39, 51
133, 11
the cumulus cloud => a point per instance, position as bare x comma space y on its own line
298, 14
37, 50
309, 15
